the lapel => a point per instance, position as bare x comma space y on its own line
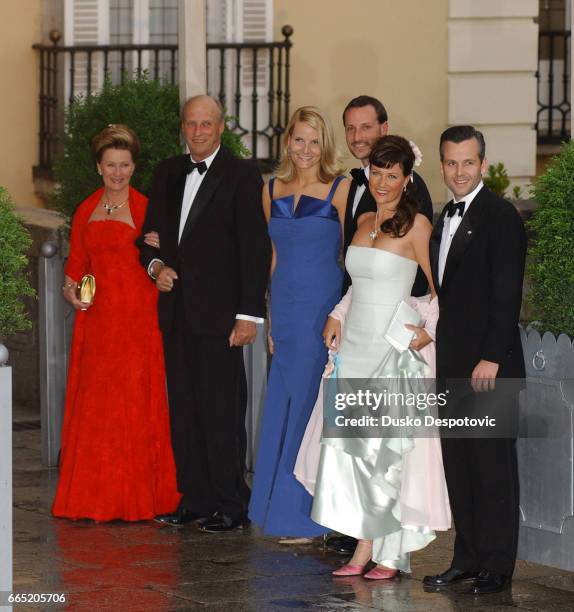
434, 247
366, 204
205, 192
464, 235
349, 210
176, 187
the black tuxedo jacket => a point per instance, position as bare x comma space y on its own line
367, 204
224, 254
481, 292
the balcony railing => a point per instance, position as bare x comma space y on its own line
553, 117
251, 80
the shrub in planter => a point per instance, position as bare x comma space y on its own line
550, 267
496, 179
149, 107
14, 243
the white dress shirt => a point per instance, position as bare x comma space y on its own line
192, 185
451, 224
360, 191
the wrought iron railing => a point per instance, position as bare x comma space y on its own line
251, 80
553, 75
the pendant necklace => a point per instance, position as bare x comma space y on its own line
376, 229
111, 207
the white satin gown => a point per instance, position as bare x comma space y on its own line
389, 490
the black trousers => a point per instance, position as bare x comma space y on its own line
482, 481
207, 393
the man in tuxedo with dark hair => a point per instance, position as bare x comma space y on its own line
211, 266
365, 120
477, 252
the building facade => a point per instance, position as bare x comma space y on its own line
432, 64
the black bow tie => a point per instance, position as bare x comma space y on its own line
452, 207
359, 177
201, 166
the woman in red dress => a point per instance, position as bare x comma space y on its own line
116, 460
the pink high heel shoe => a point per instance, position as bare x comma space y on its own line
350, 570
381, 573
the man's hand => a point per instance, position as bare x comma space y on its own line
243, 332
420, 339
332, 333
164, 278
270, 344
484, 375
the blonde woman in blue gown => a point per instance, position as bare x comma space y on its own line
304, 205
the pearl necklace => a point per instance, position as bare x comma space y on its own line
111, 207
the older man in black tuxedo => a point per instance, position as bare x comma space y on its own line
478, 250
211, 267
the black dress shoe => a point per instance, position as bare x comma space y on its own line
489, 582
179, 518
451, 576
342, 544
220, 522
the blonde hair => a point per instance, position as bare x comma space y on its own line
329, 165
116, 136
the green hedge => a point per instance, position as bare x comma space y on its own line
551, 257
150, 108
14, 243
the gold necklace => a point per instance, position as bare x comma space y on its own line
111, 207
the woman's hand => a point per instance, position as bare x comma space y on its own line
420, 339
332, 333
152, 239
270, 344
69, 291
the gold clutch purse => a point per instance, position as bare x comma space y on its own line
87, 288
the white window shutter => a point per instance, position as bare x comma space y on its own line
257, 18
87, 23
255, 25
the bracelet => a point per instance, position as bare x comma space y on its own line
68, 286
151, 274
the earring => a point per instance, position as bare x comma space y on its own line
99, 172
404, 188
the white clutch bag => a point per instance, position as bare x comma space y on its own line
397, 335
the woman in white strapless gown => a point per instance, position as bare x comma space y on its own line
388, 493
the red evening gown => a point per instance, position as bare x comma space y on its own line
116, 460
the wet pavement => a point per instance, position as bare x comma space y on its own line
145, 566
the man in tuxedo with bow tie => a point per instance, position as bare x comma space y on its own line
365, 120
477, 252
211, 267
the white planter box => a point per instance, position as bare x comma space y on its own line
5, 479
546, 464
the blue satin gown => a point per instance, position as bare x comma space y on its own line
305, 287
